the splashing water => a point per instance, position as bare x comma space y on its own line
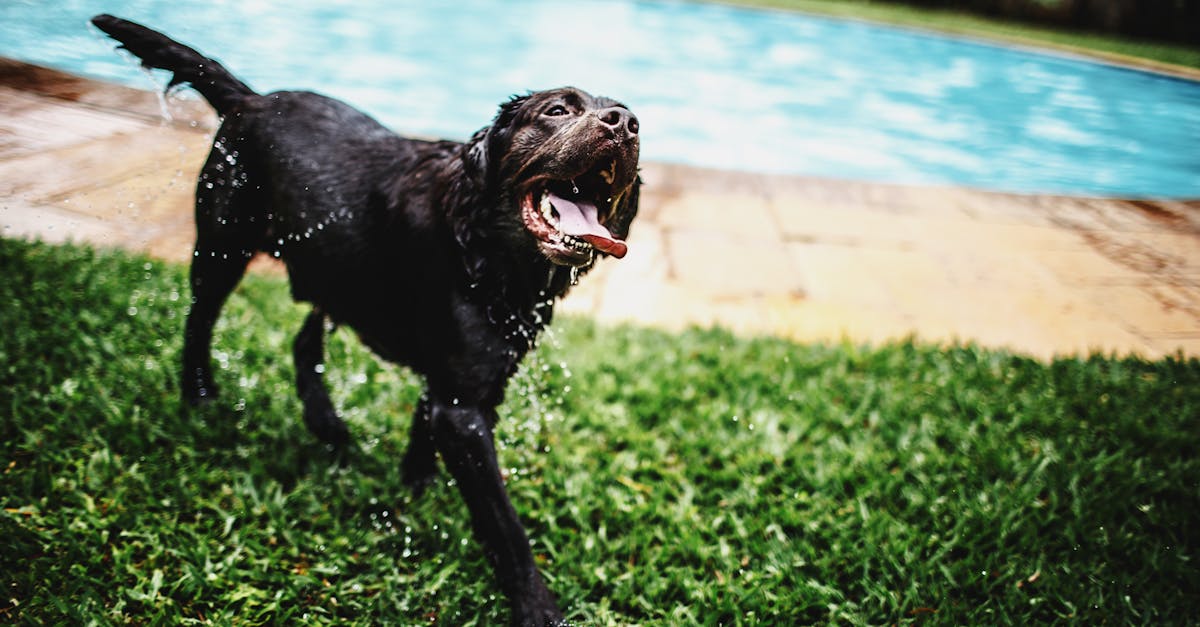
163, 109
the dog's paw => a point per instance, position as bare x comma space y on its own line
536, 605
418, 470
537, 610
196, 386
200, 394
327, 426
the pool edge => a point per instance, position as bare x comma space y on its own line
805, 258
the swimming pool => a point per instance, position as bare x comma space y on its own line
713, 85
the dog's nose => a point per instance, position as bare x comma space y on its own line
619, 118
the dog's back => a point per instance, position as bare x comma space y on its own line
318, 187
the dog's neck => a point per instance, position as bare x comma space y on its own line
519, 295
516, 285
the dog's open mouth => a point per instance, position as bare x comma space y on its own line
567, 216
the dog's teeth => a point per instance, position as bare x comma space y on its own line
576, 243
548, 211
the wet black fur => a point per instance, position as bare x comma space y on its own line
417, 246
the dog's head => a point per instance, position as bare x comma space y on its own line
565, 164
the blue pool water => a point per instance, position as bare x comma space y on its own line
713, 85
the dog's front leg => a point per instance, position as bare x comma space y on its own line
463, 434
309, 353
419, 466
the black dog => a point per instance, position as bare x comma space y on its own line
442, 256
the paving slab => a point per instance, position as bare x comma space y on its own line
47, 174
31, 124
55, 225
810, 259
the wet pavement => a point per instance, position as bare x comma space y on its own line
803, 258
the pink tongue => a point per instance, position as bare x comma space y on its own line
579, 219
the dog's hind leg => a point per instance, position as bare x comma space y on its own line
227, 236
309, 353
215, 271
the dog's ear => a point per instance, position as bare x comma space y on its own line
475, 157
508, 112
626, 209
489, 142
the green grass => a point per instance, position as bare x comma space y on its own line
1117, 48
664, 478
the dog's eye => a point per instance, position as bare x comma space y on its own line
556, 110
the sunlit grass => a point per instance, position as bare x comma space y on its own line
665, 478
969, 24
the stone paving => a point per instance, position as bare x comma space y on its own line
803, 258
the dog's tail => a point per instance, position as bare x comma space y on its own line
156, 50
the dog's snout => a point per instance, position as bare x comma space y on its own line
619, 119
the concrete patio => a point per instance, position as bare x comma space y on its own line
802, 258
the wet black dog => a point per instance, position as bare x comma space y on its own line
442, 256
